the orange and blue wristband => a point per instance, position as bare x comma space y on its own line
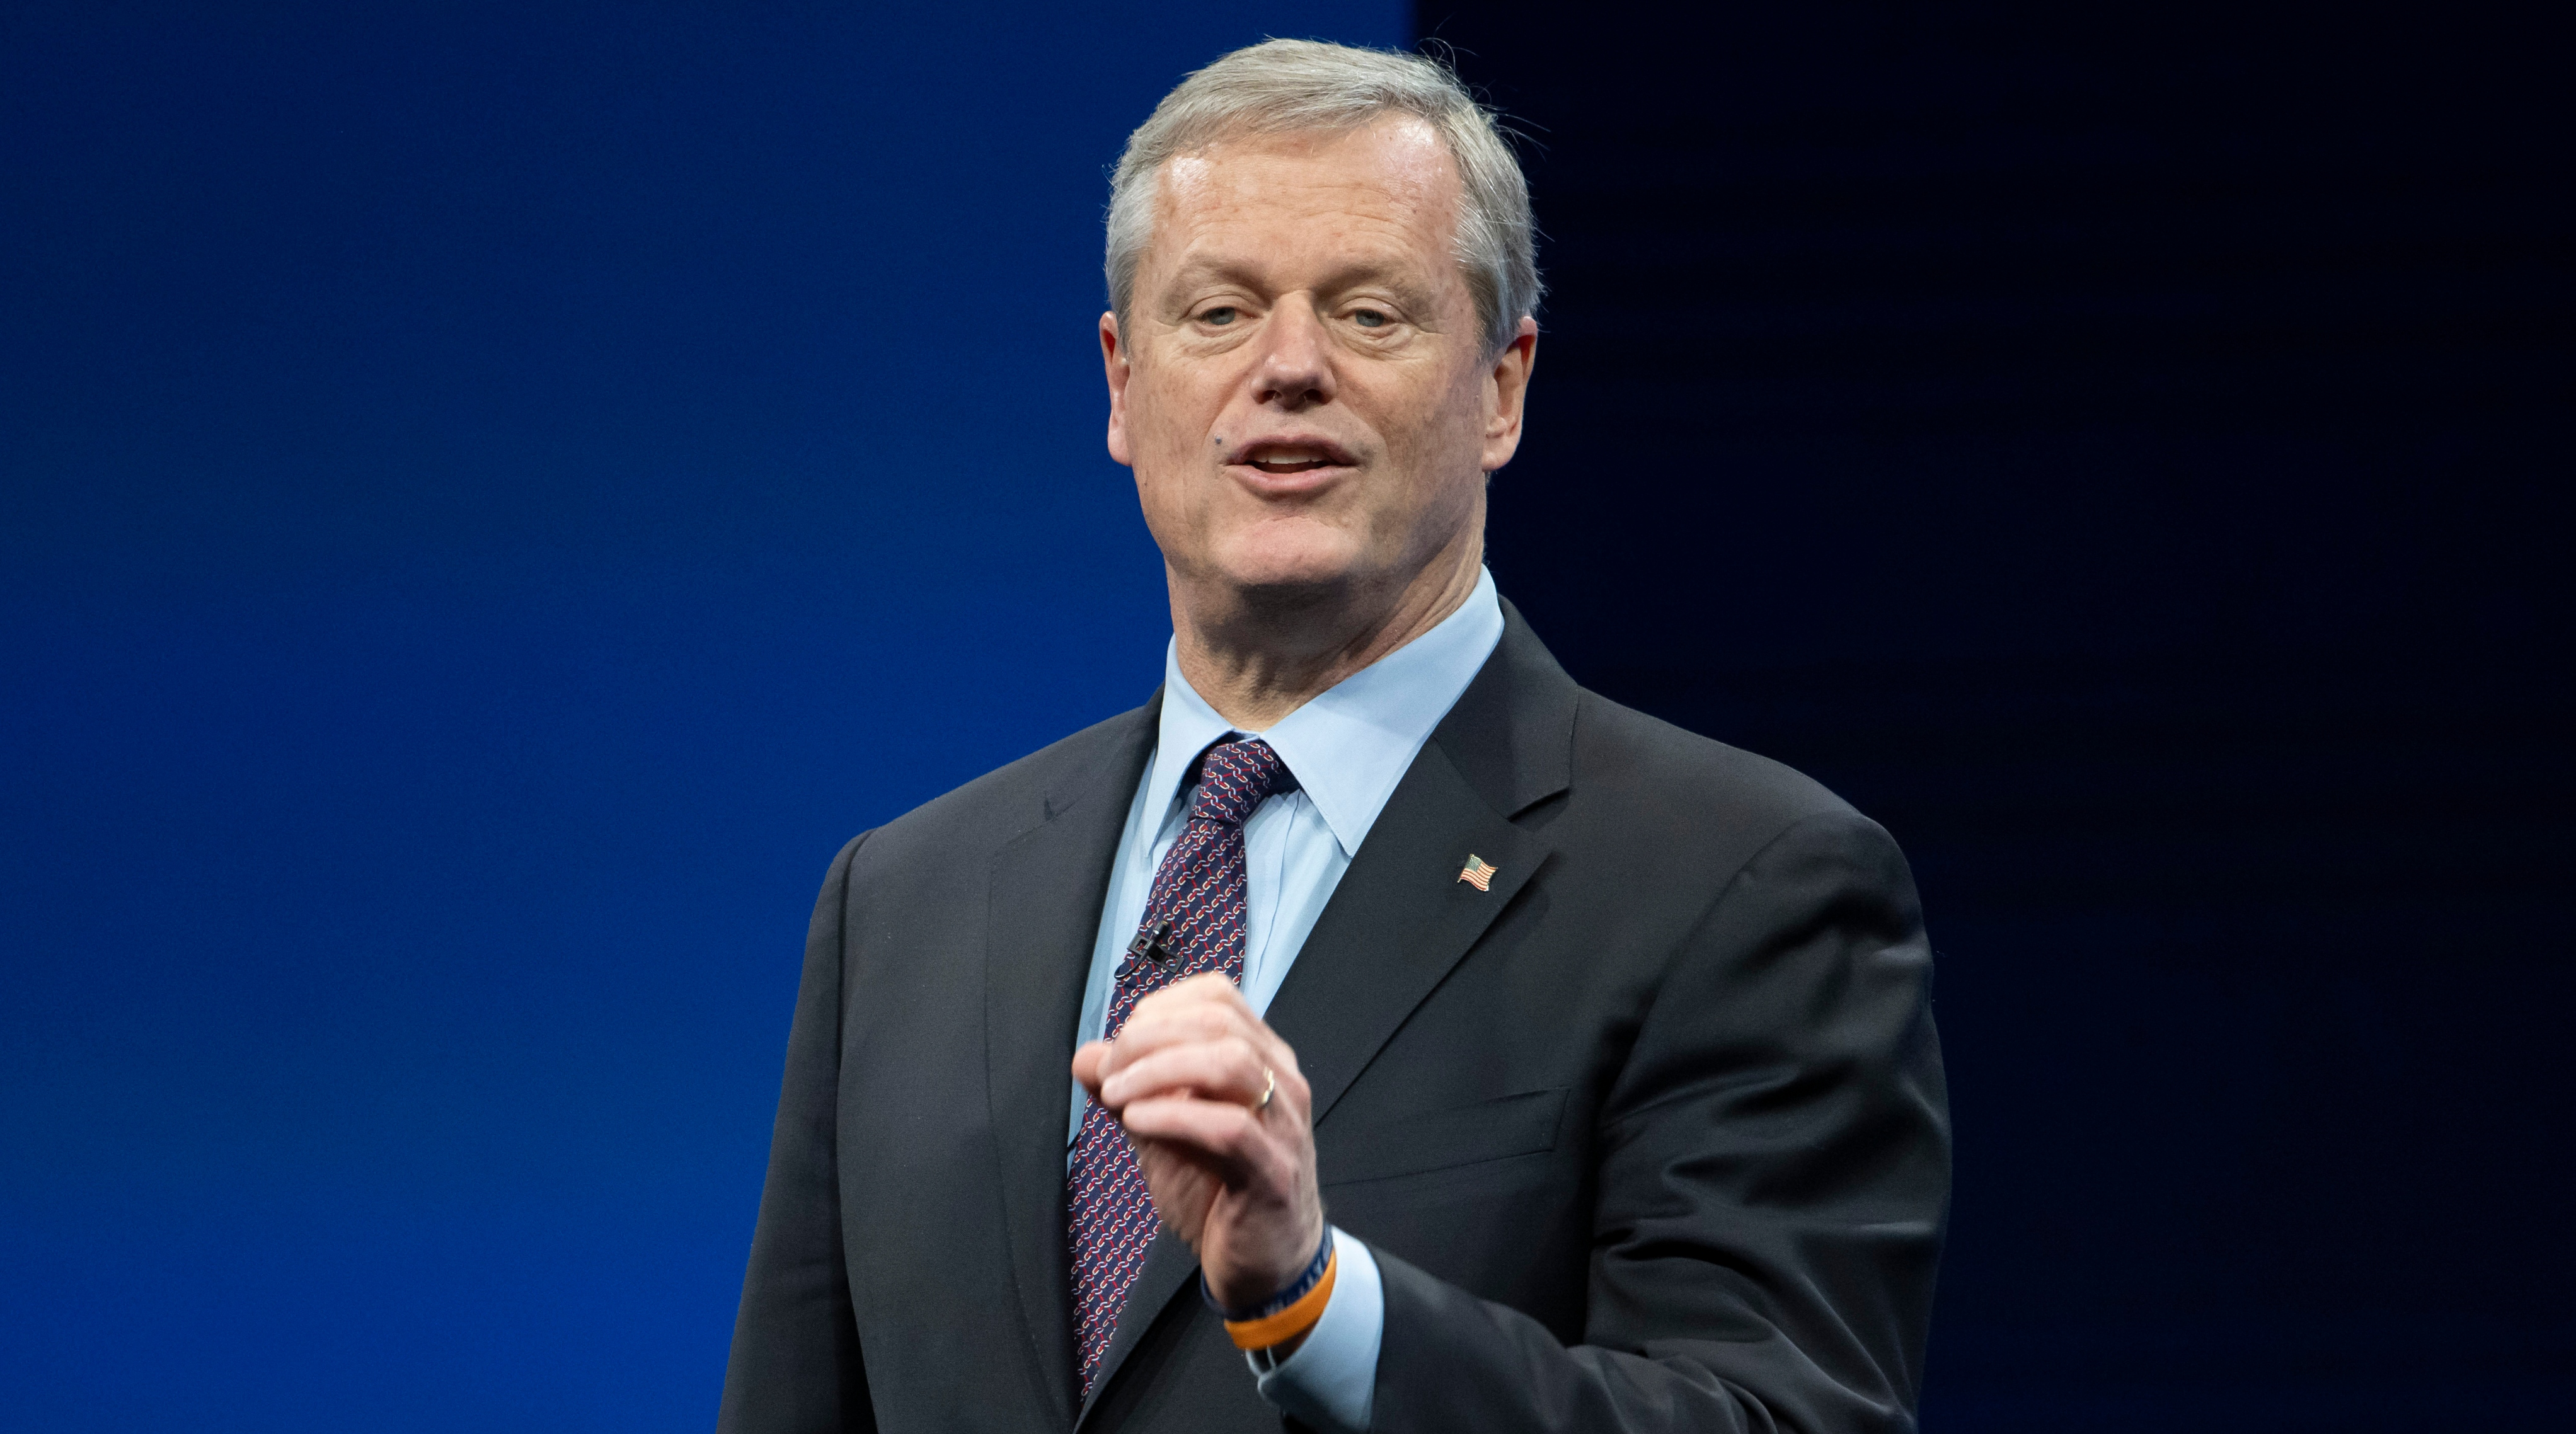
1287, 1314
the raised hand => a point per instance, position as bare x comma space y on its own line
1220, 1118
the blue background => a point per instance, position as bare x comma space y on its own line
491, 498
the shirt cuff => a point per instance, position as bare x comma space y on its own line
1331, 1380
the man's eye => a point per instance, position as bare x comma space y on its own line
1369, 319
1220, 315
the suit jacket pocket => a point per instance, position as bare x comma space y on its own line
1436, 1140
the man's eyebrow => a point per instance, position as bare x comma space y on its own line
1200, 270
1352, 275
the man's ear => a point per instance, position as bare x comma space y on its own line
1507, 394
1113, 360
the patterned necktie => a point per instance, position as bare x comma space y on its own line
1193, 923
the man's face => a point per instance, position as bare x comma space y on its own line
1303, 389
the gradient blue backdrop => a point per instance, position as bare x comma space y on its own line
490, 499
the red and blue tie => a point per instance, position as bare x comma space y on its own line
1193, 923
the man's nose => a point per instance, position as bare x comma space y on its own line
1296, 365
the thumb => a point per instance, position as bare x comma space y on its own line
1087, 1063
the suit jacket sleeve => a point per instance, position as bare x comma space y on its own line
1773, 1179
795, 1367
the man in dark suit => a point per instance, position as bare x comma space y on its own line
1605, 1048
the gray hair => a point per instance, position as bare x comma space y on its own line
1300, 86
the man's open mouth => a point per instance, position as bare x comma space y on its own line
1287, 458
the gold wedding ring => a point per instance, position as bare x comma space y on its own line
1269, 1088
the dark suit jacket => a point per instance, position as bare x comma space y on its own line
1652, 1135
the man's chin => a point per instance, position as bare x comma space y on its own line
1291, 574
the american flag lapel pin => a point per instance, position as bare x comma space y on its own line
1478, 873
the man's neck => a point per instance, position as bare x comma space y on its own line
1255, 662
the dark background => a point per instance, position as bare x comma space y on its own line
490, 497
2120, 447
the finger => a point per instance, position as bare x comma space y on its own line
1208, 985
1222, 1136
1208, 988
1198, 1001
1254, 1061
1207, 996
1227, 1069
1151, 1030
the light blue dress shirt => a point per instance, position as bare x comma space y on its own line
1347, 747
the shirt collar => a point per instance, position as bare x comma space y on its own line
1351, 744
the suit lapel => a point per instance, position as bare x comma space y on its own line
1043, 910
1401, 917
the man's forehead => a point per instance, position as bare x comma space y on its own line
1399, 158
